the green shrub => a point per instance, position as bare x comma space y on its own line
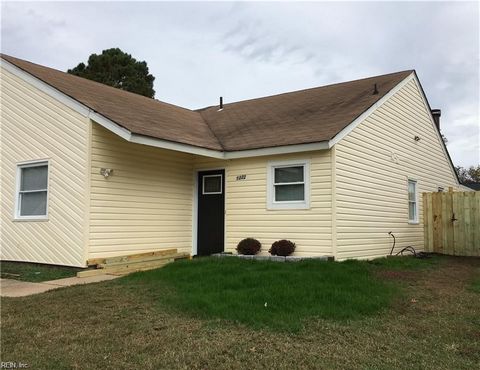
282, 248
249, 246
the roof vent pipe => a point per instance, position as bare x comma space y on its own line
436, 113
221, 102
375, 89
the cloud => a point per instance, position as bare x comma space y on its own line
200, 51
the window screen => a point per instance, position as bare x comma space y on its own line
289, 184
33, 190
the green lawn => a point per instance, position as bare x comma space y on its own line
211, 314
35, 272
280, 296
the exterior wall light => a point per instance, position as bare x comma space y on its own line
106, 172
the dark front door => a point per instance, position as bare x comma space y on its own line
211, 212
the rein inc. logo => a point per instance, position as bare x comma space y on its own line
13, 365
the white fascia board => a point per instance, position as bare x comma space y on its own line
165, 144
432, 122
285, 149
369, 111
46, 88
111, 126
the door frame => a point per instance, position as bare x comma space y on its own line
195, 207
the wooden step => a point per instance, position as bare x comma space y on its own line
137, 262
98, 261
125, 268
141, 256
143, 260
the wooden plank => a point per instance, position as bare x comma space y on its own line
448, 200
468, 247
125, 272
476, 223
136, 266
430, 215
426, 222
144, 260
91, 272
460, 229
437, 223
131, 257
95, 261
445, 220
456, 224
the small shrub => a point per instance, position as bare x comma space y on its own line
282, 248
249, 246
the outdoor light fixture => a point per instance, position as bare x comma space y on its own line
416, 138
105, 172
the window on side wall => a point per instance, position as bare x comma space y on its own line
412, 202
32, 191
288, 185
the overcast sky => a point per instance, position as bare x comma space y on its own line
200, 51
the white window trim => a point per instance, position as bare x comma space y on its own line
298, 204
212, 192
414, 221
26, 164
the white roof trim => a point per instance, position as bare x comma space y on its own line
186, 148
369, 111
322, 145
165, 144
46, 88
437, 131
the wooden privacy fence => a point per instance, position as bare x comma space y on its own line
452, 222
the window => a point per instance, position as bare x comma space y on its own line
32, 190
212, 184
288, 185
412, 202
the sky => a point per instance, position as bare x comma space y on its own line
203, 50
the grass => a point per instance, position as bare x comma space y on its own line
280, 296
35, 272
475, 285
428, 320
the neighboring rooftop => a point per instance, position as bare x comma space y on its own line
298, 117
472, 185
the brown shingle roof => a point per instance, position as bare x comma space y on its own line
299, 117
136, 113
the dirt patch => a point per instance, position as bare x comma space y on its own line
398, 275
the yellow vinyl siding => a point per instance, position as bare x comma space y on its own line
146, 204
246, 204
373, 165
34, 126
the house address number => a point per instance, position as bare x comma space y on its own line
241, 177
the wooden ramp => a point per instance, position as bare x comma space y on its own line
122, 265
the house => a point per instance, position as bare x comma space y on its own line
471, 186
89, 171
